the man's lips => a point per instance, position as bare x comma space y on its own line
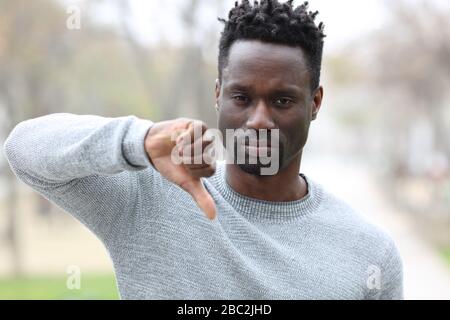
262, 149
259, 144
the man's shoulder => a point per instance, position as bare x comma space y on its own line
353, 222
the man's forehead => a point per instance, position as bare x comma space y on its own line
244, 51
255, 60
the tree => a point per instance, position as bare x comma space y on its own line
412, 65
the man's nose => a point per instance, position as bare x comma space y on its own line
260, 117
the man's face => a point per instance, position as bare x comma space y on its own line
268, 86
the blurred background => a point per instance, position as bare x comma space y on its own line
381, 141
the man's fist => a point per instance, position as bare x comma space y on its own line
179, 150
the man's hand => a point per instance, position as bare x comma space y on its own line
167, 137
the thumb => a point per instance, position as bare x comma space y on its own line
204, 200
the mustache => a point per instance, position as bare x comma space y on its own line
260, 144
268, 141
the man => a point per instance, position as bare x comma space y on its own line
279, 236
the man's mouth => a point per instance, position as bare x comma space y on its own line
258, 151
262, 148
259, 144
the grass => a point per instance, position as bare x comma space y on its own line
93, 287
446, 254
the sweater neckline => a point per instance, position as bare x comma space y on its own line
269, 210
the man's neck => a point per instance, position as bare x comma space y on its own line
285, 186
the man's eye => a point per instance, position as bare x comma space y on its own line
240, 98
283, 101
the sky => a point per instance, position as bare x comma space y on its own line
156, 20
343, 22
153, 20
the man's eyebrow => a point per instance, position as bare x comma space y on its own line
237, 86
290, 90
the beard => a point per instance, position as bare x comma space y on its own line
253, 164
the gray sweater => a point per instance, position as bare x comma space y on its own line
163, 247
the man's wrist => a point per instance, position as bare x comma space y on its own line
133, 143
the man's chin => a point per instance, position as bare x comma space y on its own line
256, 169
253, 169
254, 164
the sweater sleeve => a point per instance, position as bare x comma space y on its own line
82, 163
392, 275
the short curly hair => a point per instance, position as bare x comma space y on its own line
274, 22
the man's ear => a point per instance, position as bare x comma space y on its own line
217, 90
317, 103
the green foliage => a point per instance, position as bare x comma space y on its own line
93, 287
446, 254
343, 70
